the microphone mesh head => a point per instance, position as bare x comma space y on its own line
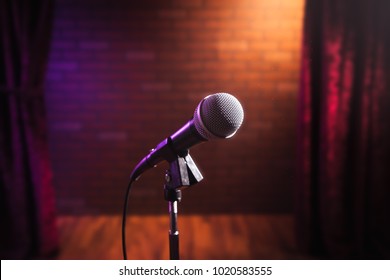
218, 115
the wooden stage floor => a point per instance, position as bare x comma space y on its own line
202, 237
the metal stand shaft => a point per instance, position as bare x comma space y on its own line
173, 232
182, 173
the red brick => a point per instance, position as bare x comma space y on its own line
125, 74
173, 13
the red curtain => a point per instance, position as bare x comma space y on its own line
28, 225
343, 195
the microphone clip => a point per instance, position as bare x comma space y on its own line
182, 173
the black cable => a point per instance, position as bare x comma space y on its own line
124, 217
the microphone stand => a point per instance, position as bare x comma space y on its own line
181, 174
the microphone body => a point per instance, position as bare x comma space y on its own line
169, 148
217, 116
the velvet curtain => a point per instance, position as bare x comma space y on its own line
28, 225
343, 195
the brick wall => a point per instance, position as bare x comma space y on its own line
123, 75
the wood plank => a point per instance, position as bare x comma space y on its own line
201, 237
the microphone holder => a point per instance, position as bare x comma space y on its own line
181, 174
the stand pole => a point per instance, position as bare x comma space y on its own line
181, 174
173, 232
173, 196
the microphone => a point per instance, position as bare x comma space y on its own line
218, 116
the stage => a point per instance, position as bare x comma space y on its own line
202, 237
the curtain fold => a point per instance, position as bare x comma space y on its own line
26, 191
343, 192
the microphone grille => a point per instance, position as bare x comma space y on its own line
218, 115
